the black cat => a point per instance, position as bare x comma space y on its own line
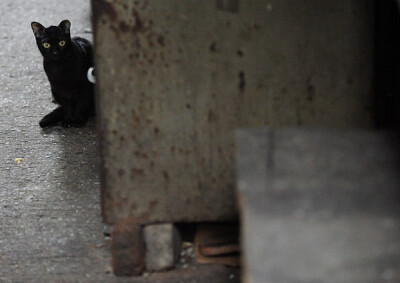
66, 61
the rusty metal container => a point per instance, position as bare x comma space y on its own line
175, 78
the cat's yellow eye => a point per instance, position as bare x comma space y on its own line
61, 43
46, 45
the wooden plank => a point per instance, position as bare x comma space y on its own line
217, 244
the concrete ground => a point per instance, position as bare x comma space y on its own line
50, 219
50, 223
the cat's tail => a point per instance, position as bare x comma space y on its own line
91, 75
52, 118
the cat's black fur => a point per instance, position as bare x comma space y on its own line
66, 68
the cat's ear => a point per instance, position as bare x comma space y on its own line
38, 29
65, 25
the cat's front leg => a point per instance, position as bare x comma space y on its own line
68, 119
73, 123
82, 110
79, 117
78, 121
52, 118
68, 123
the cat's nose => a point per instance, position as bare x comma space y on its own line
55, 52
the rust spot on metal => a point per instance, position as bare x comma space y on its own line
138, 45
162, 57
213, 47
139, 154
184, 151
138, 22
123, 26
310, 89
166, 176
150, 41
156, 130
211, 116
349, 80
242, 81
153, 204
121, 172
144, 4
257, 27
143, 218
116, 203
115, 30
240, 53
102, 7
161, 40
136, 172
135, 117
228, 5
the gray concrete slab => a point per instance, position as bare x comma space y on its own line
319, 205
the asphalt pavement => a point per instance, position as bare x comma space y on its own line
50, 219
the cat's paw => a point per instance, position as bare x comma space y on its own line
46, 122
43, 124
78, 124
66, 123
52, 118
72, 124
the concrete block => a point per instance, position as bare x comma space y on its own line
162, 246
319, 205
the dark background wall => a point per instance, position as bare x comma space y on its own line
387, 63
